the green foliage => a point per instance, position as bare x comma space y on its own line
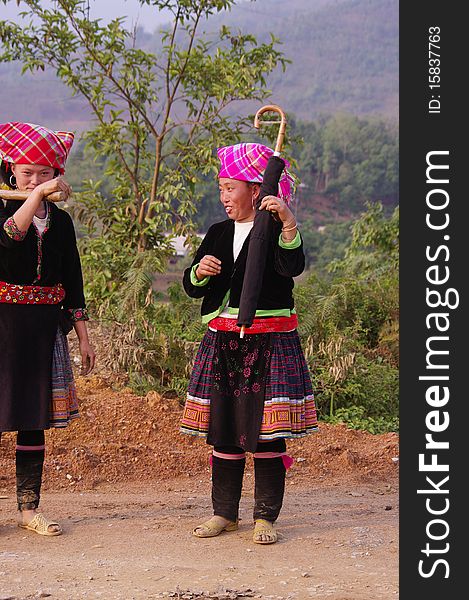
349, 324
152, 358
324, 246
350, 159
154, 342
181, 314
369, 384
354, 417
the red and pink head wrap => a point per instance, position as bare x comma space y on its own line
247, 162
30, 144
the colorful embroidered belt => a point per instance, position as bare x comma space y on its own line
260, 325
11, 293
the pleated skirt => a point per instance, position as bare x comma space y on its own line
250, 389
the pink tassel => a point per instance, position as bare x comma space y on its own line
287, 461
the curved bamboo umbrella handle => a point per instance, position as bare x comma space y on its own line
282, 123
15, 195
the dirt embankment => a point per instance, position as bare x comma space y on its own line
122, 437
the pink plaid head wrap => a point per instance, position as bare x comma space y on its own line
30, 144
247, 162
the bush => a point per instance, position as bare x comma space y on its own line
355, 418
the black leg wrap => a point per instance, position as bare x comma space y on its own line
269, 488
29, 464
227, 483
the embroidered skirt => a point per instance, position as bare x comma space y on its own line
36, 382
250, 389
64, 402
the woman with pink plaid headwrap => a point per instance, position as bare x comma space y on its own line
41, 299
248, 394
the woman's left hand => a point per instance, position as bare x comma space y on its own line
276, 205
57, 184
88, 357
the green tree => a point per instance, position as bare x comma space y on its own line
352, 160
324, 246
360, 159
158, 117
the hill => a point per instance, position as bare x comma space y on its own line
344, 57
344, 54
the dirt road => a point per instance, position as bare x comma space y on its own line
133, 542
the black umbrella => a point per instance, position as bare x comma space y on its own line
263, 227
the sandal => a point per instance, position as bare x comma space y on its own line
264, 528
211, 528
39, 524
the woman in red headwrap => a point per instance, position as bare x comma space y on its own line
250, 393
41, 299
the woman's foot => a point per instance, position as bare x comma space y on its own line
264, 532
214, 527
35, 521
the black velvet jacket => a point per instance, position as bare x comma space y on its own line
58, 261
277, 284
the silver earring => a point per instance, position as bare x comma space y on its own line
13, 183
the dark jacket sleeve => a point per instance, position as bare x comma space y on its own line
72, 277
289, 262
5, 240
205, 247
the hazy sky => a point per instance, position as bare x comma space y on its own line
146, 16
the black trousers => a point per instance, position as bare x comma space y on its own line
227, 482
29, 466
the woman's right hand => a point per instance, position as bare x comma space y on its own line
209, 266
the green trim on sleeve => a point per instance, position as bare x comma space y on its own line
194, 279
295, 243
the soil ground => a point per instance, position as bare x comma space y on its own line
128, 488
